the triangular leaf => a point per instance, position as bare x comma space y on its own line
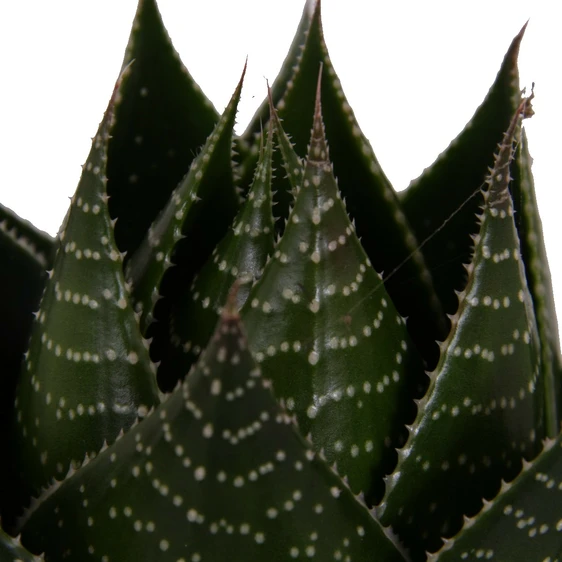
370, 199
448, 194
484, 407
217, 472
328, 335
162, 119
87, 373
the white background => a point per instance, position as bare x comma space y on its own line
414, 72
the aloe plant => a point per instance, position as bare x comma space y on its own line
264, 352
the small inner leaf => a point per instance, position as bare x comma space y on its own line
195, 219
241, 255
326, 332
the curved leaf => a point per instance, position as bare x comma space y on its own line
280, 84
326, 332
25, 256
447, 195
247, 143
484, 407
87, 374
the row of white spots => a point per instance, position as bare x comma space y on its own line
86, 356
487, 300
498, 257
480, 553
271, 350
486, 354
234, 437
354, 449
84, 205
79, 253
76, 298
502, 213
501, 403
252, 231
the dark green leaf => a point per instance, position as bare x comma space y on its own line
533, 251
484, 407
247, 144
195, 219
369, 197
326, 332
241, 255
217, 472
87, 373
280, 84
454, 180
162, 119
524, 522
25, 256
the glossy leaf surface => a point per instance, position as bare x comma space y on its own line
216, 472
25, 256
326, 332
484, 408
87, 373
370, 199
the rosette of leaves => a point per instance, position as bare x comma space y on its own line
214, 360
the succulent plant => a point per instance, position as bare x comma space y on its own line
235, 355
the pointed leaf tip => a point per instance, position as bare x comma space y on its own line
318, 151
499, 179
